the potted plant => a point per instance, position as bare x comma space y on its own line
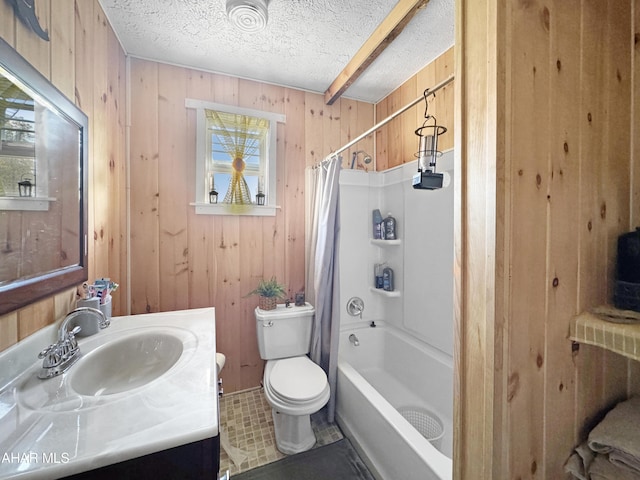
269, 291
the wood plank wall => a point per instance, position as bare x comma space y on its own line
183, 260
84, 60
396, 142
547, 145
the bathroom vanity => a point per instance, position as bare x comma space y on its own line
141, 402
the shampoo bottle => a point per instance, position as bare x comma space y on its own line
377, 224
387, 279
378, 275
390, 228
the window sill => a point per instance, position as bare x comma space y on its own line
39, 204
226, 209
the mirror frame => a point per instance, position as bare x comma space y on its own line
25, 291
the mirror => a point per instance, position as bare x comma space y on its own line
43, 179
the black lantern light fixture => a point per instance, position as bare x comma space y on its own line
213, 195
427, 154
25, 187
260, 197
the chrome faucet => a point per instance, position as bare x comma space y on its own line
58, 357
353, 339
89, 328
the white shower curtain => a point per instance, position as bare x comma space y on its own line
322, 267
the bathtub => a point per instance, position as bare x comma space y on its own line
387, 371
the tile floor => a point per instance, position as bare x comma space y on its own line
247, 431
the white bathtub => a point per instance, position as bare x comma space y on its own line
387, 371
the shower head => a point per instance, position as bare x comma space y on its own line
366, 158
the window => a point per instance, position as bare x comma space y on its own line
235, 160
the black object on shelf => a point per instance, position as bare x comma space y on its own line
627, 289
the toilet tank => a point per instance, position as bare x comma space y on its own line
285, 331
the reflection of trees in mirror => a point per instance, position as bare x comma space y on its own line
17, 137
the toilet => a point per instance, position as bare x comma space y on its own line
294, 386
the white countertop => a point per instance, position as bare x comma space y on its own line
47, 430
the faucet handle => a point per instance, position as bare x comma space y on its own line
47, 350
71, 338
51, 355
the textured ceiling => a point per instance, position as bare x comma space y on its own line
305, 45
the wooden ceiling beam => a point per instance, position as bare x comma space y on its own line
381, 37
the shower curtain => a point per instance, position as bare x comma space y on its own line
322, 267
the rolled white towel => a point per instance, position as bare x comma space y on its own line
220, 361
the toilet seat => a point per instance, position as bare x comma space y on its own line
297, 379
295, 385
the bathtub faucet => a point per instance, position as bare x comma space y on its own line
353, 339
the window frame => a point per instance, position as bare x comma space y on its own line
201, 203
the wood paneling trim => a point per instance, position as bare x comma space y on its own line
477, 415
8, 330
63, 45
144, 166
173, 189
561, 279
7, 23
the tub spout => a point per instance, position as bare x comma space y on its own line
353, 339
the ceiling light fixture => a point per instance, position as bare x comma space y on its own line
248, 15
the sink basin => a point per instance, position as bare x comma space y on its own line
147, 383
125, 364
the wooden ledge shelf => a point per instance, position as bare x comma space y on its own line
621, 338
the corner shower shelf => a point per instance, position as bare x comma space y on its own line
621, 338
384, 293
385, 243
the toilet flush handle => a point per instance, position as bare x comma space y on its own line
267, 324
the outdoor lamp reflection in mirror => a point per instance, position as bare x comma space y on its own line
25, 187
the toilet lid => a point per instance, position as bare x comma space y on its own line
297, 379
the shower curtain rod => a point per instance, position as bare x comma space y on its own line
431, 91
